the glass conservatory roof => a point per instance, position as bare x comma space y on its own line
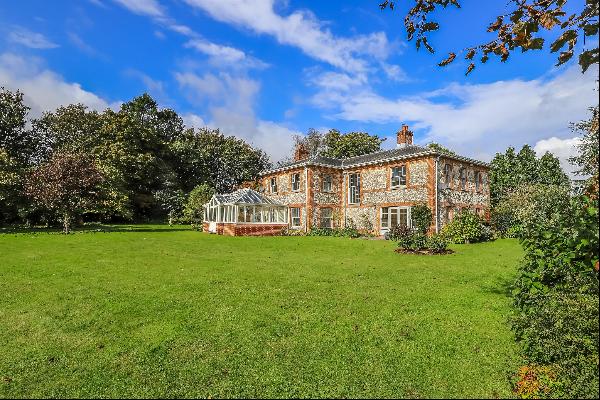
243, 196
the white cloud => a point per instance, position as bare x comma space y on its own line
230, 100
78, 42
561, 148
143, 7
220, 55
300, 29
30, 39
477, 119
44, 89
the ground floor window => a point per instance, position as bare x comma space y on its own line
326, 218
295, 216
392, 216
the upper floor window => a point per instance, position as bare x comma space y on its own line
398, 176
327, 183
463, 178
478, 181
274, 185
354, 188
326, 218
295, 182
448, 173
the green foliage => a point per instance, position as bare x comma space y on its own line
510, 171
517, 27
411, 241
556, 296
441, 149
349, 231
15, 139
421, 217
11, 179
193, 211
398, 231
537, 382
587, 158
467, 227
530, 204
351, 144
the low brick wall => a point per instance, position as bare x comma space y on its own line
233, 229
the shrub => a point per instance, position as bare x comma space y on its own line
421, 218
556, 297
193, 212
398, 231
418, 242
292, 232
349, 231
466, 227
437, 244
536, 382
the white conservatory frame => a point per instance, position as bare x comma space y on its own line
245, 207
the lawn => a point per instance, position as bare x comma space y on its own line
153, 311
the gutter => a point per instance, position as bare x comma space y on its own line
437, 214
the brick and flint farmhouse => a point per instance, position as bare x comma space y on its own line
372, 192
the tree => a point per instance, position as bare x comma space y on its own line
587, 159
441, 149
222, 162
200, 195
511, 170
519, 28
352, 144
15, 139
67, 184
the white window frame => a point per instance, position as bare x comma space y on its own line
292, 217
354, 191
395, 209
296, 182
328, 183
273, 183
401, 177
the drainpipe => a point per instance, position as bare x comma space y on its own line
306, 202
437, 215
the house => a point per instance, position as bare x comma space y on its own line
375, 191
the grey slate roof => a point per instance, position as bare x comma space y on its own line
371, 158
245, 196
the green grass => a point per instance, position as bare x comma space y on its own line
162, 312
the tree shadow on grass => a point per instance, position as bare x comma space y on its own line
95, 228
501, 286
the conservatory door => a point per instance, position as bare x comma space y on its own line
392, 216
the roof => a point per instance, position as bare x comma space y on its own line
400, 153
244, 196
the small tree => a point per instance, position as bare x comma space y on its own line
200, 195
421, 218
68, 184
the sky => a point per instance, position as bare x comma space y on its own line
266, 70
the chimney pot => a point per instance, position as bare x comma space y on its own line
301, 152
404, 137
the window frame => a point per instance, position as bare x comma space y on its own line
388, 211
401, 177
292, 217
273, 184
295, 182
327, 181
463, 178
322, 218
354, 191
448, 173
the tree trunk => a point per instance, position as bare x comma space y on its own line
66, 223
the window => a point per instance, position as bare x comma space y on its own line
274, 185
463, 178
327, 183
354, 188
295, 182
295, 216
392, 216
448, 173
326, 218
449, 213
398, 176
479, 181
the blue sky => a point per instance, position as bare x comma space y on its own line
265, 70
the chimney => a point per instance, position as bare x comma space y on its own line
301, 152
404, 137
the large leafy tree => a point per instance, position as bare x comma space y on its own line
510, 170
68, 184
15, 138
222, 162
520, 27
338, 145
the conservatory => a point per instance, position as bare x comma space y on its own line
244, 212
